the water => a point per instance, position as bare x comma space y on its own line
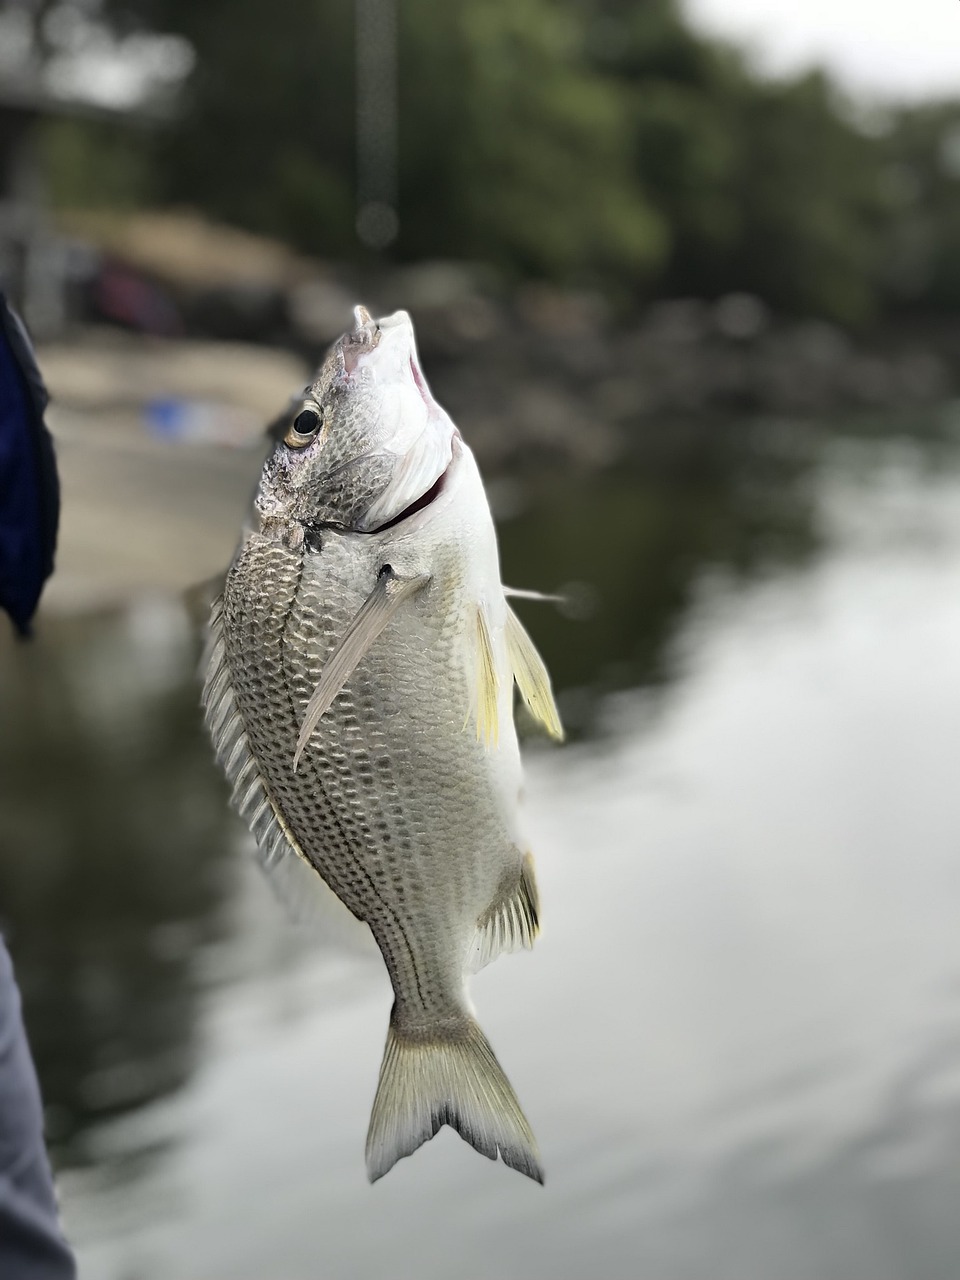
739, 1037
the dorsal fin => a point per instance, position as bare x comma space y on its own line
251, 797
511, 921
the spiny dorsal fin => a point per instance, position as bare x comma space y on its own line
532, 677
371, 618
250, 797
486, 684
295, 881
511, 921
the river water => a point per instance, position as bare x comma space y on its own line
738, 1039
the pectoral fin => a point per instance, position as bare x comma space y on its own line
532, 677
371, 618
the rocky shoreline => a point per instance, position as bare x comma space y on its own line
554, 373
526, 368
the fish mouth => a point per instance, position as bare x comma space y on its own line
421, 384
364, 338
409, 423
408, 445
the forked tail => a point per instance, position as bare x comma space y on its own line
447, 1076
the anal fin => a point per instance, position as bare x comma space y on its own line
511, 921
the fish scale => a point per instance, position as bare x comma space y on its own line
354, 833
359, 694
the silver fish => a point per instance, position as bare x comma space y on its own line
359, 694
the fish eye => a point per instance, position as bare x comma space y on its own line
303, 429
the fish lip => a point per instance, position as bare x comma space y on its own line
354, 349
363, 339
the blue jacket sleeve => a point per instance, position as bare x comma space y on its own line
29, 490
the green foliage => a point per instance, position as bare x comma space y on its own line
95, 165
598, 141
765, 186
811, 211
265, 139
512, 149
922, 187
537, 157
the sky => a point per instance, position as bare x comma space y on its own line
887, 49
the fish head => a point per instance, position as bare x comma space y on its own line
367, 442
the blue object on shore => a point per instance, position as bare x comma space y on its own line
165, 417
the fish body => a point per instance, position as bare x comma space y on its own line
360, 697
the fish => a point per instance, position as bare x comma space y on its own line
359, 695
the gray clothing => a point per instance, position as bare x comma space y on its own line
32, 1246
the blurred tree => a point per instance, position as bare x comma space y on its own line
95, 164
512, 148
766, 187
584, 140
264, 135
812, 216
921, 150
533, 165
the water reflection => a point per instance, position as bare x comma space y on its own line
635, 545
112, 867
738, 1034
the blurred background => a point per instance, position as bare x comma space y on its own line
688, 280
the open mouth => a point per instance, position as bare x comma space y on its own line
421, 386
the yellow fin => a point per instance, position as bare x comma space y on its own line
532, 677
511, 921
486, 685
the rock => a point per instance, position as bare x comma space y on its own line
678, 321
819, 343
562, 313
740, 316
430, 286
921, 377
868, 380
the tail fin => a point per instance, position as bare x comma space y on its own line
449, 1077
